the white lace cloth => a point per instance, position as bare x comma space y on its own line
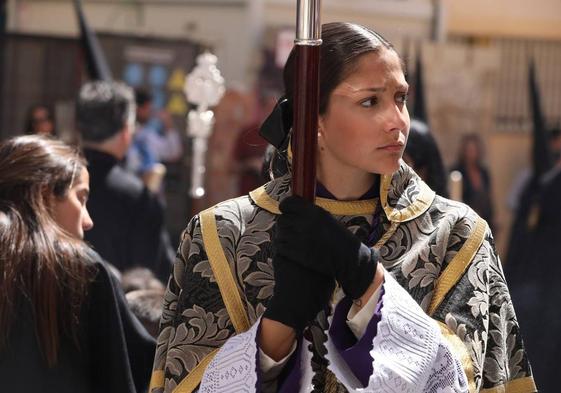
410, 355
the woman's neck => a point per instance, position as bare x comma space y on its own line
346, 184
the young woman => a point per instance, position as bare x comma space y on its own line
64, 325
476, 181
381, 286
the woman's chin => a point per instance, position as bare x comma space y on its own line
387, 168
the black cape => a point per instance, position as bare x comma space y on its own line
115, 354
533, 273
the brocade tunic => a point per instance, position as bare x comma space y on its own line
439, 251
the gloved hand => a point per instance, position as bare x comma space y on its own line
299, 294
310, 236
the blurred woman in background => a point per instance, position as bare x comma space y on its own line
476, 187
39, 120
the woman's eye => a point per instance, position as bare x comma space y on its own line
83, 199
369, 102
402, 98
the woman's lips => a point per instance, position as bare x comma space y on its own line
394, 147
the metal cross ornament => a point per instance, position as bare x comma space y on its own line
204, 87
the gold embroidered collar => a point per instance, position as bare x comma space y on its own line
337, 208
408, 209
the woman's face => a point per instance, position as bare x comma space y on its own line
70, 211
42, 123
471, 151
366, 124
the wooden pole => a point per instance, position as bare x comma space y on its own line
306, 98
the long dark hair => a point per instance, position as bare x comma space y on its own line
39, 261
342, 46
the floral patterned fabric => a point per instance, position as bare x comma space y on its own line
425, 233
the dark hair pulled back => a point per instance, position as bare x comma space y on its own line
343, 44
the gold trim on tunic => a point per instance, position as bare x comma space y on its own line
386, 236
228, 290
417, 207
222, 272
520, 385
461, 351
195, 376
157, 380
458, 265
335, 207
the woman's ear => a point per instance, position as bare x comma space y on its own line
320, 133
48, 196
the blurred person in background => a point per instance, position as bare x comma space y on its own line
139, 278
476, 180
525, 175
146, 305
422, 154
145, 294
129, 218
39, 120
64, 322
250, 147
152, 149
532, 267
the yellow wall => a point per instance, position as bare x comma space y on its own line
511, 18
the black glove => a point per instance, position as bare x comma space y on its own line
310, 236
299, 294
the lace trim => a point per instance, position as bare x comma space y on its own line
234, 368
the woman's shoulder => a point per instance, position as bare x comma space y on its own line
233, 212
103, 272
463, 222
453, 210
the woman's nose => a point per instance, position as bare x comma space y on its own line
397, 118
87, 222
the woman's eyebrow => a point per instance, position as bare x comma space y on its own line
85, 191
372, 89
354, 89
376, 89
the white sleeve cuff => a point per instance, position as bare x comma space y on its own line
358, 318
270, 369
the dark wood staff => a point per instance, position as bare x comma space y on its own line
306, 98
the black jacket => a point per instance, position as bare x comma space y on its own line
128, 219
533, 273
115, 354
